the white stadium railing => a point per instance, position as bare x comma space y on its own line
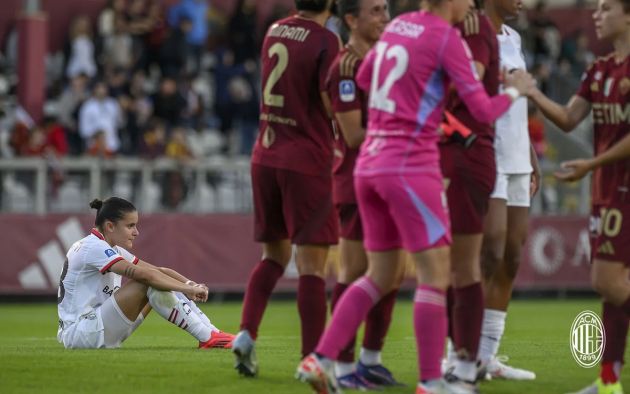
213, 185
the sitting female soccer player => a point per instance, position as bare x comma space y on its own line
95, 311
399, 184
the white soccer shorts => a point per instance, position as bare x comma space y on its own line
514, 188
102, 327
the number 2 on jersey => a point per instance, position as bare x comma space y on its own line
280, 50
379, 95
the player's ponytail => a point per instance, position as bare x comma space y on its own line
112, 209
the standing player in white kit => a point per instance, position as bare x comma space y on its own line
505, 229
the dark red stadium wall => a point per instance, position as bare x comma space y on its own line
218, 250
61, 12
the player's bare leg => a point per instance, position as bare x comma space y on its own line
311, 297
499, 274
467, 311
262, 281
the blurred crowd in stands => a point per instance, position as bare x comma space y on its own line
144, 80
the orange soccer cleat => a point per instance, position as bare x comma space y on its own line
218, 340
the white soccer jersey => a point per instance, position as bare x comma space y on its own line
86, 281
511, 141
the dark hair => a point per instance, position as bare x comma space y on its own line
626, 5
112, 209
345, 7
311, 5
479, 4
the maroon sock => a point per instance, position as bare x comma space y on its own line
378, 321
311, 300
261, 283
616, 330
347, 353
468, 316
626, 307
450, 307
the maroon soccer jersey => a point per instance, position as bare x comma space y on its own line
295, 132
345, 96
479, 34
606, 85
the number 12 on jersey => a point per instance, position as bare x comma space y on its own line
379, 95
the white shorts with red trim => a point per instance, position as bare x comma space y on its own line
105, 326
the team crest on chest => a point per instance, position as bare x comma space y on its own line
624, 85
347, 91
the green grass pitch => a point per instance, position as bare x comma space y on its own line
159, 358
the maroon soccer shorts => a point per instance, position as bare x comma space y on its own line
288, 204
471, 174
350, 226
609, 228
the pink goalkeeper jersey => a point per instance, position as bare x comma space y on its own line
408, 73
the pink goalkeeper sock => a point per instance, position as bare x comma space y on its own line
351, 310
430, 323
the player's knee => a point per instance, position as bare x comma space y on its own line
611, 290
491, 260
511, 265
348, 273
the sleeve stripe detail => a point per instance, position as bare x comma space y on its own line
104, 269
471, 24
346, 65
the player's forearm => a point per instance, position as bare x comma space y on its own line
556, 113
619, 151
173, 274
160, 281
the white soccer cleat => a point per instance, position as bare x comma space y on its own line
243, 347
442, 386
318, 374
496, 369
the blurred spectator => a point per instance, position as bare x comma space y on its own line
227, 101
174, 50
193, 113
168, 103
244, 96
136, 104
197, 12
242, 32
107, 19
81, 58
101, 113
140, 23
118, 48
153, 142
55, 137
36, 144
154, 39
68, 110
175, 187
98, 146
546, 38
536, 127
562, 82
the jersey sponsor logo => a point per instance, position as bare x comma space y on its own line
109, 291
588, 339
611, 113
347, 91
109, 252
595, 87
598, 76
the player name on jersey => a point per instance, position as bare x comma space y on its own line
290, 32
